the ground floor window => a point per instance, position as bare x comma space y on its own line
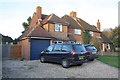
71, 42
55, 42
78, 42
108, 46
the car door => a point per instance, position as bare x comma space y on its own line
66, 50
54, 55
47, 53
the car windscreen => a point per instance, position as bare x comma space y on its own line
79, 48
90, 48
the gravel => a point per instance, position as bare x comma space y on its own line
35, 69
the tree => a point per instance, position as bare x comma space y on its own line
86, 36
107, 32
26, 24
96, 43
113, 35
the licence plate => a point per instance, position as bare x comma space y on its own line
81, 57
93, 52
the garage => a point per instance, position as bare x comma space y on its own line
38, 45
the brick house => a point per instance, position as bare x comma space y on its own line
49, 29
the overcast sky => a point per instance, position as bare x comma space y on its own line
14, 12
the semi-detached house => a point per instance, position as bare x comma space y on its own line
45, 30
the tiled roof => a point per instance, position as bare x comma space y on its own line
104, 39
72, 22
71, 37
36, 31
52, 18
87, 26
39, 32
44, 16
77, 23
6, 38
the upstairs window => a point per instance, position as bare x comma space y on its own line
91, 33
77, 31
58, 27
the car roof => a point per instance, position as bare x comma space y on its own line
67, 44
88, 45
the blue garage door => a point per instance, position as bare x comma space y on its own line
36, 47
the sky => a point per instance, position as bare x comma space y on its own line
14, 12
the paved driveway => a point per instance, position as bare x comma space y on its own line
35, 69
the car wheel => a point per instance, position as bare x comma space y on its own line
91, 60
42, 59
80, 64
65, 63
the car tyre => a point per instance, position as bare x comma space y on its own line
80, 64
91, 60
65, 63
42, 59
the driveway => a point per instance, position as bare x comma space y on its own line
35, 69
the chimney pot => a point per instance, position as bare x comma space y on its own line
73, 14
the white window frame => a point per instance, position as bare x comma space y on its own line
103, 47
78, 42
59, 27
77, 31
108, 46
58, 41
91, 33
71, 42
6, 43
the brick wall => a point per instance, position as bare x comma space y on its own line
77, 37
25, 48
96, 34
46, 27
34, 20
52, 31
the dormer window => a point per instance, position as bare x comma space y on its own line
78, 31
58, 27
91, 33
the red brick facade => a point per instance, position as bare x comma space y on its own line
25, 48
62, 36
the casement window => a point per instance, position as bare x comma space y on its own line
58, 27
78, 31
55, 42
78, 42
98, 37
108, 46
71, 42
91, 33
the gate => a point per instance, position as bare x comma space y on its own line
16, 51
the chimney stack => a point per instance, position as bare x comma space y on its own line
98, 25
73, 14
39, 12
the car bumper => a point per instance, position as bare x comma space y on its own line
92, 56
78, 61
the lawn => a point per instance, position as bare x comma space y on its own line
110, 60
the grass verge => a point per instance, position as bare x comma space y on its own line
110, 60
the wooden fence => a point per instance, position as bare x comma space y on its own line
15, 51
